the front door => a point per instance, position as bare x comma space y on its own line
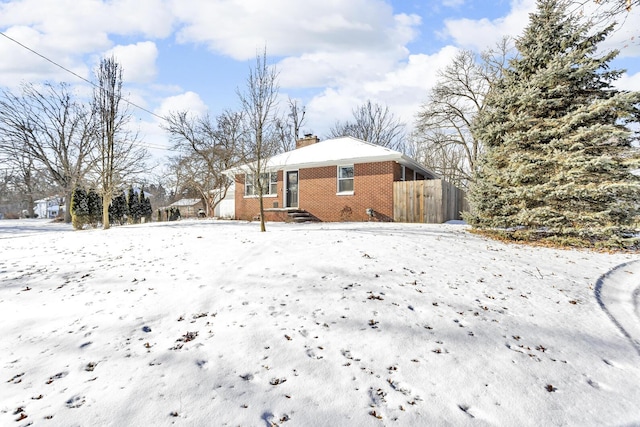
292, 189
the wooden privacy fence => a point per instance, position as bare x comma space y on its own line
431, 201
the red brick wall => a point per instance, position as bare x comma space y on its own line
373, 188
248, 207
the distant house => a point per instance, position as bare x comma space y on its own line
49, 207
340, 179
189, 208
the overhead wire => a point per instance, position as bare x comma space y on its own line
149, 145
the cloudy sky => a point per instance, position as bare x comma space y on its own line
332, 55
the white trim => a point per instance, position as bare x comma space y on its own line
269, 194
264, 196
285, 187
338, 167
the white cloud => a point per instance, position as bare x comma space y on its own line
407, 87
625, 37
404, 88
85, 24
237, 28
188, 101
67, 30
333, 69
138, 61
26, 66
629, 82
481, 34
153, 136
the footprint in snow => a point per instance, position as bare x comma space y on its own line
57, 376
76, 402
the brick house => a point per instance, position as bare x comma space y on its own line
340, 179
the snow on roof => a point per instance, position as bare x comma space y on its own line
336, 151
186, 202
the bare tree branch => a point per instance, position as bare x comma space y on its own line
118, 156
207, 150
442, 134
46, 124
259, 102
374, 123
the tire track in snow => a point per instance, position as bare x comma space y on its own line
618, 294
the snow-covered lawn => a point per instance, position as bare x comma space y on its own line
202, 323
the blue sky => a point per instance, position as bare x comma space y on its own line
332, 55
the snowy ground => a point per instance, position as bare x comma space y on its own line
214, 323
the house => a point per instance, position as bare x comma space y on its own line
189, 208
49, 207
225, 208
340, 179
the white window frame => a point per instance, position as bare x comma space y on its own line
271, 189
340, 179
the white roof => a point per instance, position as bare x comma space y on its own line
186, 202
338, 151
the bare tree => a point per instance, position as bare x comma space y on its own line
259, 102
207, 150
609, 8
118, 155
442, 134
449, 161
47, 125
289, 128
374, 123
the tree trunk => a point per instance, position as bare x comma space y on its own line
262, 226
106, 201
67, 206
30, 213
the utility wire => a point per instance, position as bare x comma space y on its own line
77, 75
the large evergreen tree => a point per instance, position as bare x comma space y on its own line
79, 208
118, 209
94, 202
559, 147
133, 204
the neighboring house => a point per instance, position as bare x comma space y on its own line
49, 207
189, 208
340, 179
226, 208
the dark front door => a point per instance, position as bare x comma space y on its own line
292, 189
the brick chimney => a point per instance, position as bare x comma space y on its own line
307, 140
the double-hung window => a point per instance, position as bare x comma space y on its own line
345, 179
269, 183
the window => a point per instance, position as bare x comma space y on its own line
269, 187
345, 179
273, 183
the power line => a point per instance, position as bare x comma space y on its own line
77, 75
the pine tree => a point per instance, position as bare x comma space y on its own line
133, 203
558, 145
144, 206
118, 209
94, 204
79, 208
147, 209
